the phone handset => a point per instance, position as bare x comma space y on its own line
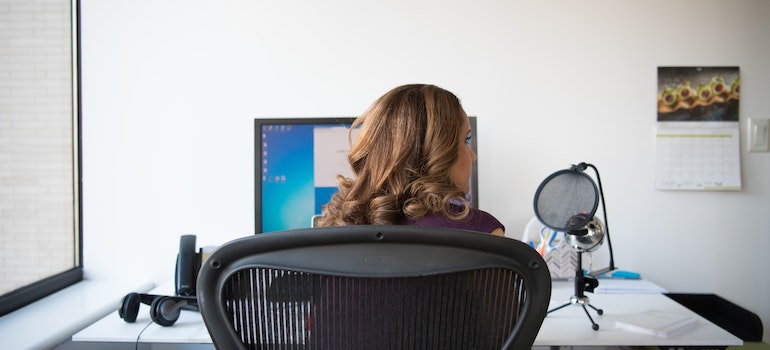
187, 266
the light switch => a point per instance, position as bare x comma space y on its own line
759, 135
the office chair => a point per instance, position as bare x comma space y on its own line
374, 287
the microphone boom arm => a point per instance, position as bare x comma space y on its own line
606, 224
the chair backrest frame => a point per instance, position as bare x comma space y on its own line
374, 252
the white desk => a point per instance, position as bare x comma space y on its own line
570, 325
565, 327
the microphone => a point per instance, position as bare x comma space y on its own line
576, 224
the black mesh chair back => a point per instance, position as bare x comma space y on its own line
374, 287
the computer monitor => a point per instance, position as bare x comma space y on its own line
296, 164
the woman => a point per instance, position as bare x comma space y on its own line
412, 163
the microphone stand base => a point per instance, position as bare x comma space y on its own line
583, 302
582, 284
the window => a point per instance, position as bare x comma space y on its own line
40, 229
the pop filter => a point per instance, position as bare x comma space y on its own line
567, 200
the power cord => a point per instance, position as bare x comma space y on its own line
139, 336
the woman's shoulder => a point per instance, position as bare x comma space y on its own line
485, 219
477, 220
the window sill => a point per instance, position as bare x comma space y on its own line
55, 318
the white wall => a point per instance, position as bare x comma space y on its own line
170, 89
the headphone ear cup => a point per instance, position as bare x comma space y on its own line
165, 310
129, 307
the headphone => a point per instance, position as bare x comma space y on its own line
164, 310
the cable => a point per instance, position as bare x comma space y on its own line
138, 336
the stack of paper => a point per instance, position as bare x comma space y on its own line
628, 286
657, 323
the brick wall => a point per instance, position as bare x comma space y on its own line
36, 155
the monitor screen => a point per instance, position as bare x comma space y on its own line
296, 164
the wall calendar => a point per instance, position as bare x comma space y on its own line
697, 136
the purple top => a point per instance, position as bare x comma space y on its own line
477, 220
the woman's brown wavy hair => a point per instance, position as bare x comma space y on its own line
406, 143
